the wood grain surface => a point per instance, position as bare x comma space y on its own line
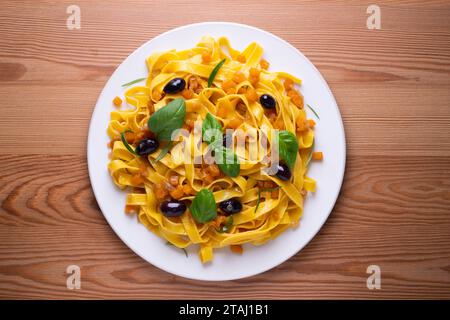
393, 89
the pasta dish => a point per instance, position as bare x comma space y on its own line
212, 148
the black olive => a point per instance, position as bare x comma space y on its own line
283, 172
146, 146
267, 101
172, 208
230, 206
174, 86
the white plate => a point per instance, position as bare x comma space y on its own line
329, 173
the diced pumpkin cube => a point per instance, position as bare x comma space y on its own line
187, 93
254, 72
206, 57
264, 64
117, 101
251, 95
288, 84
136, 179
130, 209
317, 156
237, 249
241, 58
177, 193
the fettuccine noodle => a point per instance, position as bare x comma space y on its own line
269, 204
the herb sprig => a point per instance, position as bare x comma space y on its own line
213, 74
310, 153
164, 151
125, 142
227, 226
133, 82
314, 111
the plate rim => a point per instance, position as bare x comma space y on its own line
334, 197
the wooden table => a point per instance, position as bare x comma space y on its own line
393, 89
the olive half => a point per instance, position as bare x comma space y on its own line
146, 146
172, 208
174, 86
230, 206
267, 101
283, 172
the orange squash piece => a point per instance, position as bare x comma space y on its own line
206, 57
241, 58
264, 64
317, 156
117, 101
236, 249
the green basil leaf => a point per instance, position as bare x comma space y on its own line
133, 82
214, 72
211, 129
125, 143
203, 207
227, 161
288, 147
168, 119
225, 158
